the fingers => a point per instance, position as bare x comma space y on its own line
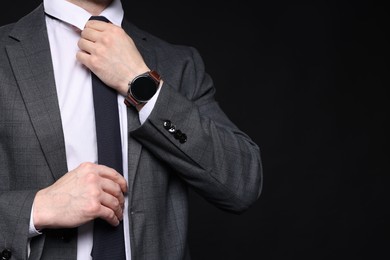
112, 200
111, 209
96, 30
87, 46
97, 25
110, 194
108, 215
111, 174
90, 34
94, 48
114, 191
92, 41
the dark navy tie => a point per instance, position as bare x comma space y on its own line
108, 241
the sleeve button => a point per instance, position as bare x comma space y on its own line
178, 134
183, 138
172, 129
167, 124
6, 254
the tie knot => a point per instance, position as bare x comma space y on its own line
99, 18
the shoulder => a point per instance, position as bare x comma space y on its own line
24, 27
161, 47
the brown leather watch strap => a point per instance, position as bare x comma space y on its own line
155, 76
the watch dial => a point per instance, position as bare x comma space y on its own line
143, 88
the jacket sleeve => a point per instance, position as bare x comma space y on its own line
188, 130
15, 211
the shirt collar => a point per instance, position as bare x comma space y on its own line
77, 16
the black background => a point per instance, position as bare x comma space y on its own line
308, 82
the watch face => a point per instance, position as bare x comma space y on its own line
143, 88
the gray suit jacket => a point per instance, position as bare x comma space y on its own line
218, 161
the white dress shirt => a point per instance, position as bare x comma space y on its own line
64, 22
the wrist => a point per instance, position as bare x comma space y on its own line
142, 88
35, 216
41, 215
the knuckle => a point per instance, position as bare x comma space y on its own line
92, 208
116, 205
92, 178
94, 193
111, 215
118, 192
106, 40
86, 165
94, 59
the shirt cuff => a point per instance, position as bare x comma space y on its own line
148, 107
32, 231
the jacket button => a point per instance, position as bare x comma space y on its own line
6, 254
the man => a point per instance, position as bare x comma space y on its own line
52, 185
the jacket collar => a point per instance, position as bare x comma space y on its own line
77, 16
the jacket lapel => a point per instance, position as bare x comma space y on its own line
31, 62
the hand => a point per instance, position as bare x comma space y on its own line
111, 54
90, 191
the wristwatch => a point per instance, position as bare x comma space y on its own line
142, 88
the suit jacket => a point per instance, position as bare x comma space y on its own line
218, 161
